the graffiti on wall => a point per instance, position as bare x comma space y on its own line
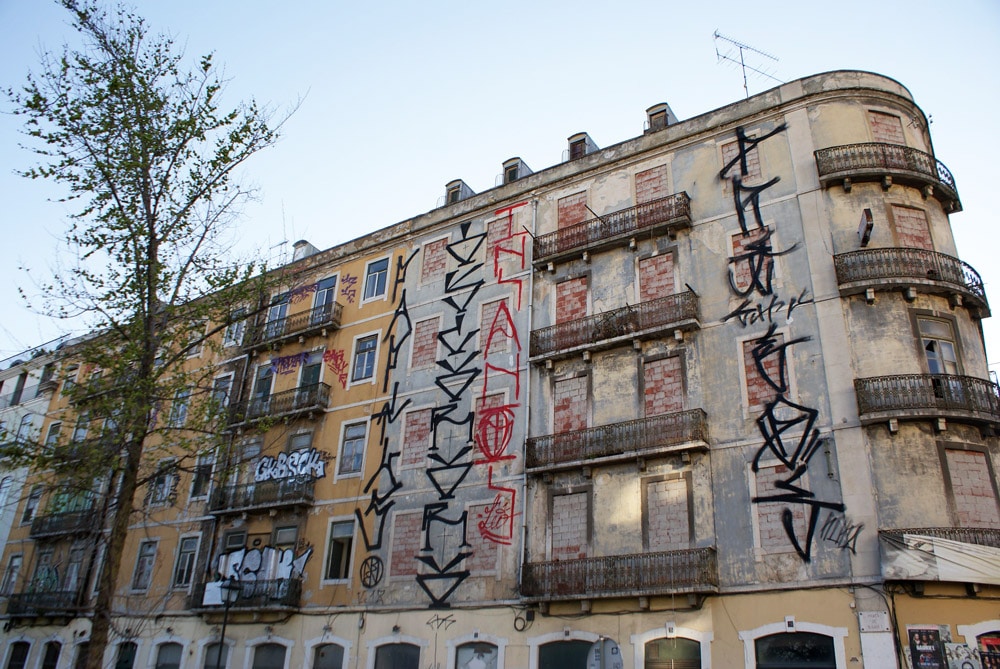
336, 362
262, 571
287, 364
787, 428
302, 463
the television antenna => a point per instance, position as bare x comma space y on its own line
734, 51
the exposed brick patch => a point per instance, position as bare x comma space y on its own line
912, 230
759, 391
886, 128
656, 277
425, 343
975, 498
405, 544
651, 184
667, 525
571, 299
416, 438
435, 260
573, 210
743, 270
484, 552
569, 526
663, 385
500, 343
732, 149
570, 404
773, 538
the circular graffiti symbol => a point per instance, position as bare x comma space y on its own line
371, 571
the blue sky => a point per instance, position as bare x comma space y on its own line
398, 98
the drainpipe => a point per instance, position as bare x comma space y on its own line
527, 399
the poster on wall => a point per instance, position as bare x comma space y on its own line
961, 656
926, 644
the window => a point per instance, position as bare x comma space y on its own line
221, 388
187, 550
216, 656
510, 173
81, 655
80, 429
162, 487
328, 656
352, 450
401, 656
143, 574
24, 429
570, 404
476, 654
74, 568
375, 278
675, 653
338, 559
195, 338
269, 656
46, 579
795, 650
11, 574
454, 194
564, 654
201, 478
126, 655
886, 128
577, 149
233, 335
168, 656
326, 292
52, 438
939, 346
364, 358
570, 526
233, 541
50, 658
18, 655
571, 299
262, 382
425, 343
275, 325
301, 440
667, 514
179, 408
31, 504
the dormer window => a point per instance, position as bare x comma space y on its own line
659, 116
580, 145
454, 194
514, 169
456, 191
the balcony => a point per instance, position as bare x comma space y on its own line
57, 603
636, 575
279, 594
888, 163
911, 270
647, 320
65, 523
667, 214
283, 493
977, 536
288, 404
319, 320
964, 399
634, 439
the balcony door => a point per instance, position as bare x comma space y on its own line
276, 314
326, 292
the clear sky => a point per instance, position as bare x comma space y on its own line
398, 98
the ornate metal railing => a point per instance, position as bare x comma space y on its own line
673, 211
872, 159
57, 602
979, 536
966, 395
631, 438
898, 263
638, 574
324, 316
303, 399
66, 522
292, 491
258, 595
643, 319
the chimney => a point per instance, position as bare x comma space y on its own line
302, 249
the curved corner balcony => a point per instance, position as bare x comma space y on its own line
634, 439
911, 270
636, 575
888, 164
303, 401
620, 228
320, 320
646, 320
963, 399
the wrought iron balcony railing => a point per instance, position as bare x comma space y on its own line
642, 321
295, 491
928, 396
323, 317
874, 161
64, 523
286, 404
618, 441
50, 603
979, 536
892, 268
640, 574
281, 593
665, 214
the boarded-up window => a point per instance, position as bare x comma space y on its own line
570, 404
435, 260
667, 515
416, 439
663, 386
656, 277
651, 184
912, 230
773, 537
570, 515
886, 128
572, 210
571, 299
972, 488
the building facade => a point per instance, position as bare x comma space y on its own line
713, 396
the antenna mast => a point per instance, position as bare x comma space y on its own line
731, 46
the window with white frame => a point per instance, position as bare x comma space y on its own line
18, 658
50, 656
269, 656
163, 484
31, 504
216, 656
338, 558
201, 478
328, 656
376, 276
398, 656
233, 335
142, 575
352, 448
168, 656
179, 408
187, 551
11, 574
364, 358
